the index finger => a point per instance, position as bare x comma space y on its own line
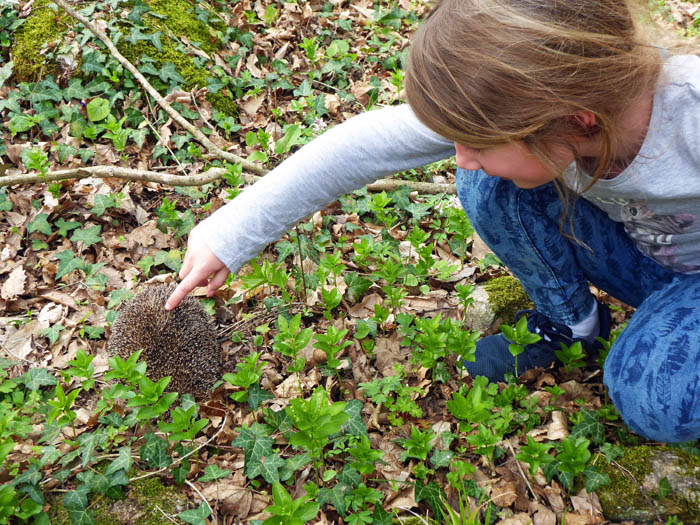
188, 284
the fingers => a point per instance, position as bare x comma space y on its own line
188, 284
199, 265
217, 281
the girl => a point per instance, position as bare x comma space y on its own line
540, 100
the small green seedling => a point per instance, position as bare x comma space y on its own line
520, 337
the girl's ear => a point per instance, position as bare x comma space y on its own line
585, 121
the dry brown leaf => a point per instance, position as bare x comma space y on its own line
252, 105
519, 519
15, 283
234, 500
365, 308
571, 518
504, 494
388, 352
405, 498
553, 493
20, 343
557, 428
588, 505
543, 515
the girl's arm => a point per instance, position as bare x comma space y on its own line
361, 150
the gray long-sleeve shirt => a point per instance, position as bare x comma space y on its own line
657, 196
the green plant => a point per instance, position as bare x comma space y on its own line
394, 395
418, 445
332, 344
365, 456
571, 356
535, 454
520, 337
288, 511
292, 338
247, 377
315, 419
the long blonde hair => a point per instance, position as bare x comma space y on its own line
488, 72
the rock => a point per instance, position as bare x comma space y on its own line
640, 499
495, 303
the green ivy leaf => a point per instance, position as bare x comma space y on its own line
68, 262
52, 332
257, 395
123, 462
102, 203
267, 466
196, 516
64, 227
117, 297
441, 458
5, 203
212, 473
169, 72
88, 236
381, 516
89, 441
81, 517
155, 452
595, 479
6, 72
97, 109
35, 378
355, 425
335, 496
433, 494
612, 452
180, 471
254, 442
357, 285
589, 426
40, 223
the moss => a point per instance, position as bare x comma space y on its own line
506, 296
181, 21
41, 27
175, 18
622, 499
140, 507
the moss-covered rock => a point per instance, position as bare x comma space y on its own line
634, 491
45, 25
147, 502
507, 297
173, 18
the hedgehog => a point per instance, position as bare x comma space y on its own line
181, 343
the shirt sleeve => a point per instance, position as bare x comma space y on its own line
348, 156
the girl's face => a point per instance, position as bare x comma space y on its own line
514, 161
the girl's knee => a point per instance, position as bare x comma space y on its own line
658, 407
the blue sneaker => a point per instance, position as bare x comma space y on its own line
494, 360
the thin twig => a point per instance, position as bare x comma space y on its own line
641, 490
197, 179
47, 367
180, 460
301, 262
191, 485
164, 514
520, 469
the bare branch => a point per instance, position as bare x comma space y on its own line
201, 137
198, 179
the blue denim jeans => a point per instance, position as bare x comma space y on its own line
653, 370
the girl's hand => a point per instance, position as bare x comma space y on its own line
200, 267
